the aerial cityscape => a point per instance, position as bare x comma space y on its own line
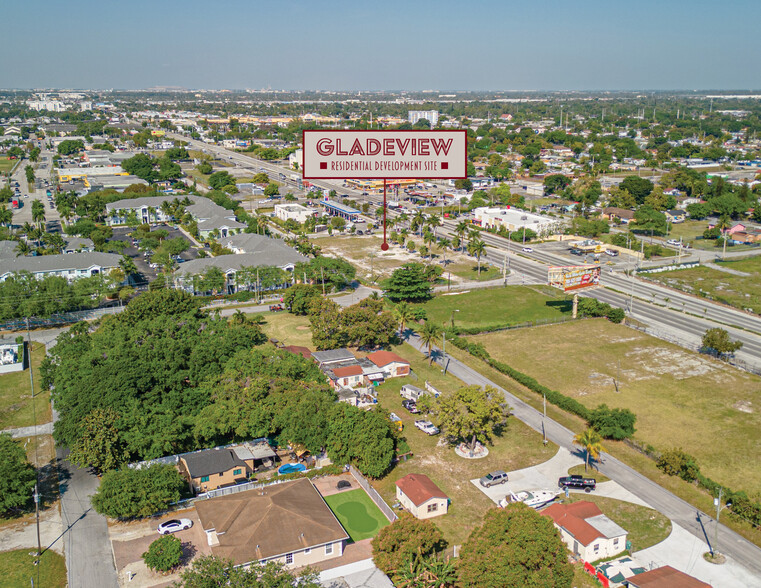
322, 296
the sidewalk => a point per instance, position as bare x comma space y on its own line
43, 429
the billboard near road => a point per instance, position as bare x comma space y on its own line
401, 155
574, 277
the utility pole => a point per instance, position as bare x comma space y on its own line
544, 418
322, 276
504, 270
36, 458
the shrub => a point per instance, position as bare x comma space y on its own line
675, 462
164, 554
612, 423
132, 493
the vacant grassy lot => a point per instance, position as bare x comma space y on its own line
517, 447
17, 569
510, 304
287, 328
646, 526
16, 409
6, 165
357, 513
469, 271
738, 291
687, 230
681, 399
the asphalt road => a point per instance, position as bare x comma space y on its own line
729, 543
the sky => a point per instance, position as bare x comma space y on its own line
383, 45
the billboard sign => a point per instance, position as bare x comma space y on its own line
574, 277
380, 154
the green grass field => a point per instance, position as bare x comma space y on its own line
518, 447
16, 408
357, 513
739, 291
511, 304
6, 165
681, 399
17, 569
287, 328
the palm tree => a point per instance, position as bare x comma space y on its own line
434, 222
462, 229
428, 335
38, 212
403, 314
22, 248
429, 238
6, 215
591, 441
443, 244
477, 248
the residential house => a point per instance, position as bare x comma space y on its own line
665, 577
332, 356
392, 365
747, 236
589, 534
288, 523
78, 245
11, 356
675, 215
421, 497
618, 215
8, 249
71, 266
350, 376
210, 469
735, 228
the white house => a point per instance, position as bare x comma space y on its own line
421, 497
295, 212
392, 365
71, 266
588, 533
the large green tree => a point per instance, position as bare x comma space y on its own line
99, 445
718, 341
637, 187
398, 543
471, 413
17, 477
135, 493
298, 298
361, 437
332, 273
163, 554
515, 546
408, 283
209, 571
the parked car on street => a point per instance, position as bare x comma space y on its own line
493, 478
174, 525
427, 427
578, 482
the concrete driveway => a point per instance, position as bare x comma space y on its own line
683, 551
545, 477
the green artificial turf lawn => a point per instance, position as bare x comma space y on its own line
357, 513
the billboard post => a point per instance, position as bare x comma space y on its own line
572, 278
384, 154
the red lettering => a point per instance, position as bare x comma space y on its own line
338, 148
324, 147
439, 146
373, 146
403, 145
388, 147
423, 147
356, 148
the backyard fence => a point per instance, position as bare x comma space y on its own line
56, 320
373, 494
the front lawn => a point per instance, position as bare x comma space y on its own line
287, 328
16, 408
17, 569
357, 513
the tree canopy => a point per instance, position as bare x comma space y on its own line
17, 477
515, 546
398, 543
718, 341
365, 324
131, 493
471, 413
408, 283
209, 571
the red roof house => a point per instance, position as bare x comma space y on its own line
421, 497
665, 577
587, 532
393, 365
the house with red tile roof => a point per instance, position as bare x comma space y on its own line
349, 376
587, 532
392, 364
665, 577
421, 497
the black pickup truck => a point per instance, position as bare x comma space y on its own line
586, 484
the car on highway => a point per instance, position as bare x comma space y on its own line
527, 250
578, 482
611, 253
493, 478
174, 525
427, 427
674, 242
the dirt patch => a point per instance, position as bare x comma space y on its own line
328, 485
302, 328
655, 362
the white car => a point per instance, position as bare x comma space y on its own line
673, 242
527, 250
174, 525
427, 427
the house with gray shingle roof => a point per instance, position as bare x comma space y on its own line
71, 266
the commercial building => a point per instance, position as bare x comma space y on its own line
432, 116
287, 523
295, 212
341, 210
513, 219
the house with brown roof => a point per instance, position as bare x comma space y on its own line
622, 215
421, 497
349, 376
392, 364
210, 469
665, 577
288, 523
588, 533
